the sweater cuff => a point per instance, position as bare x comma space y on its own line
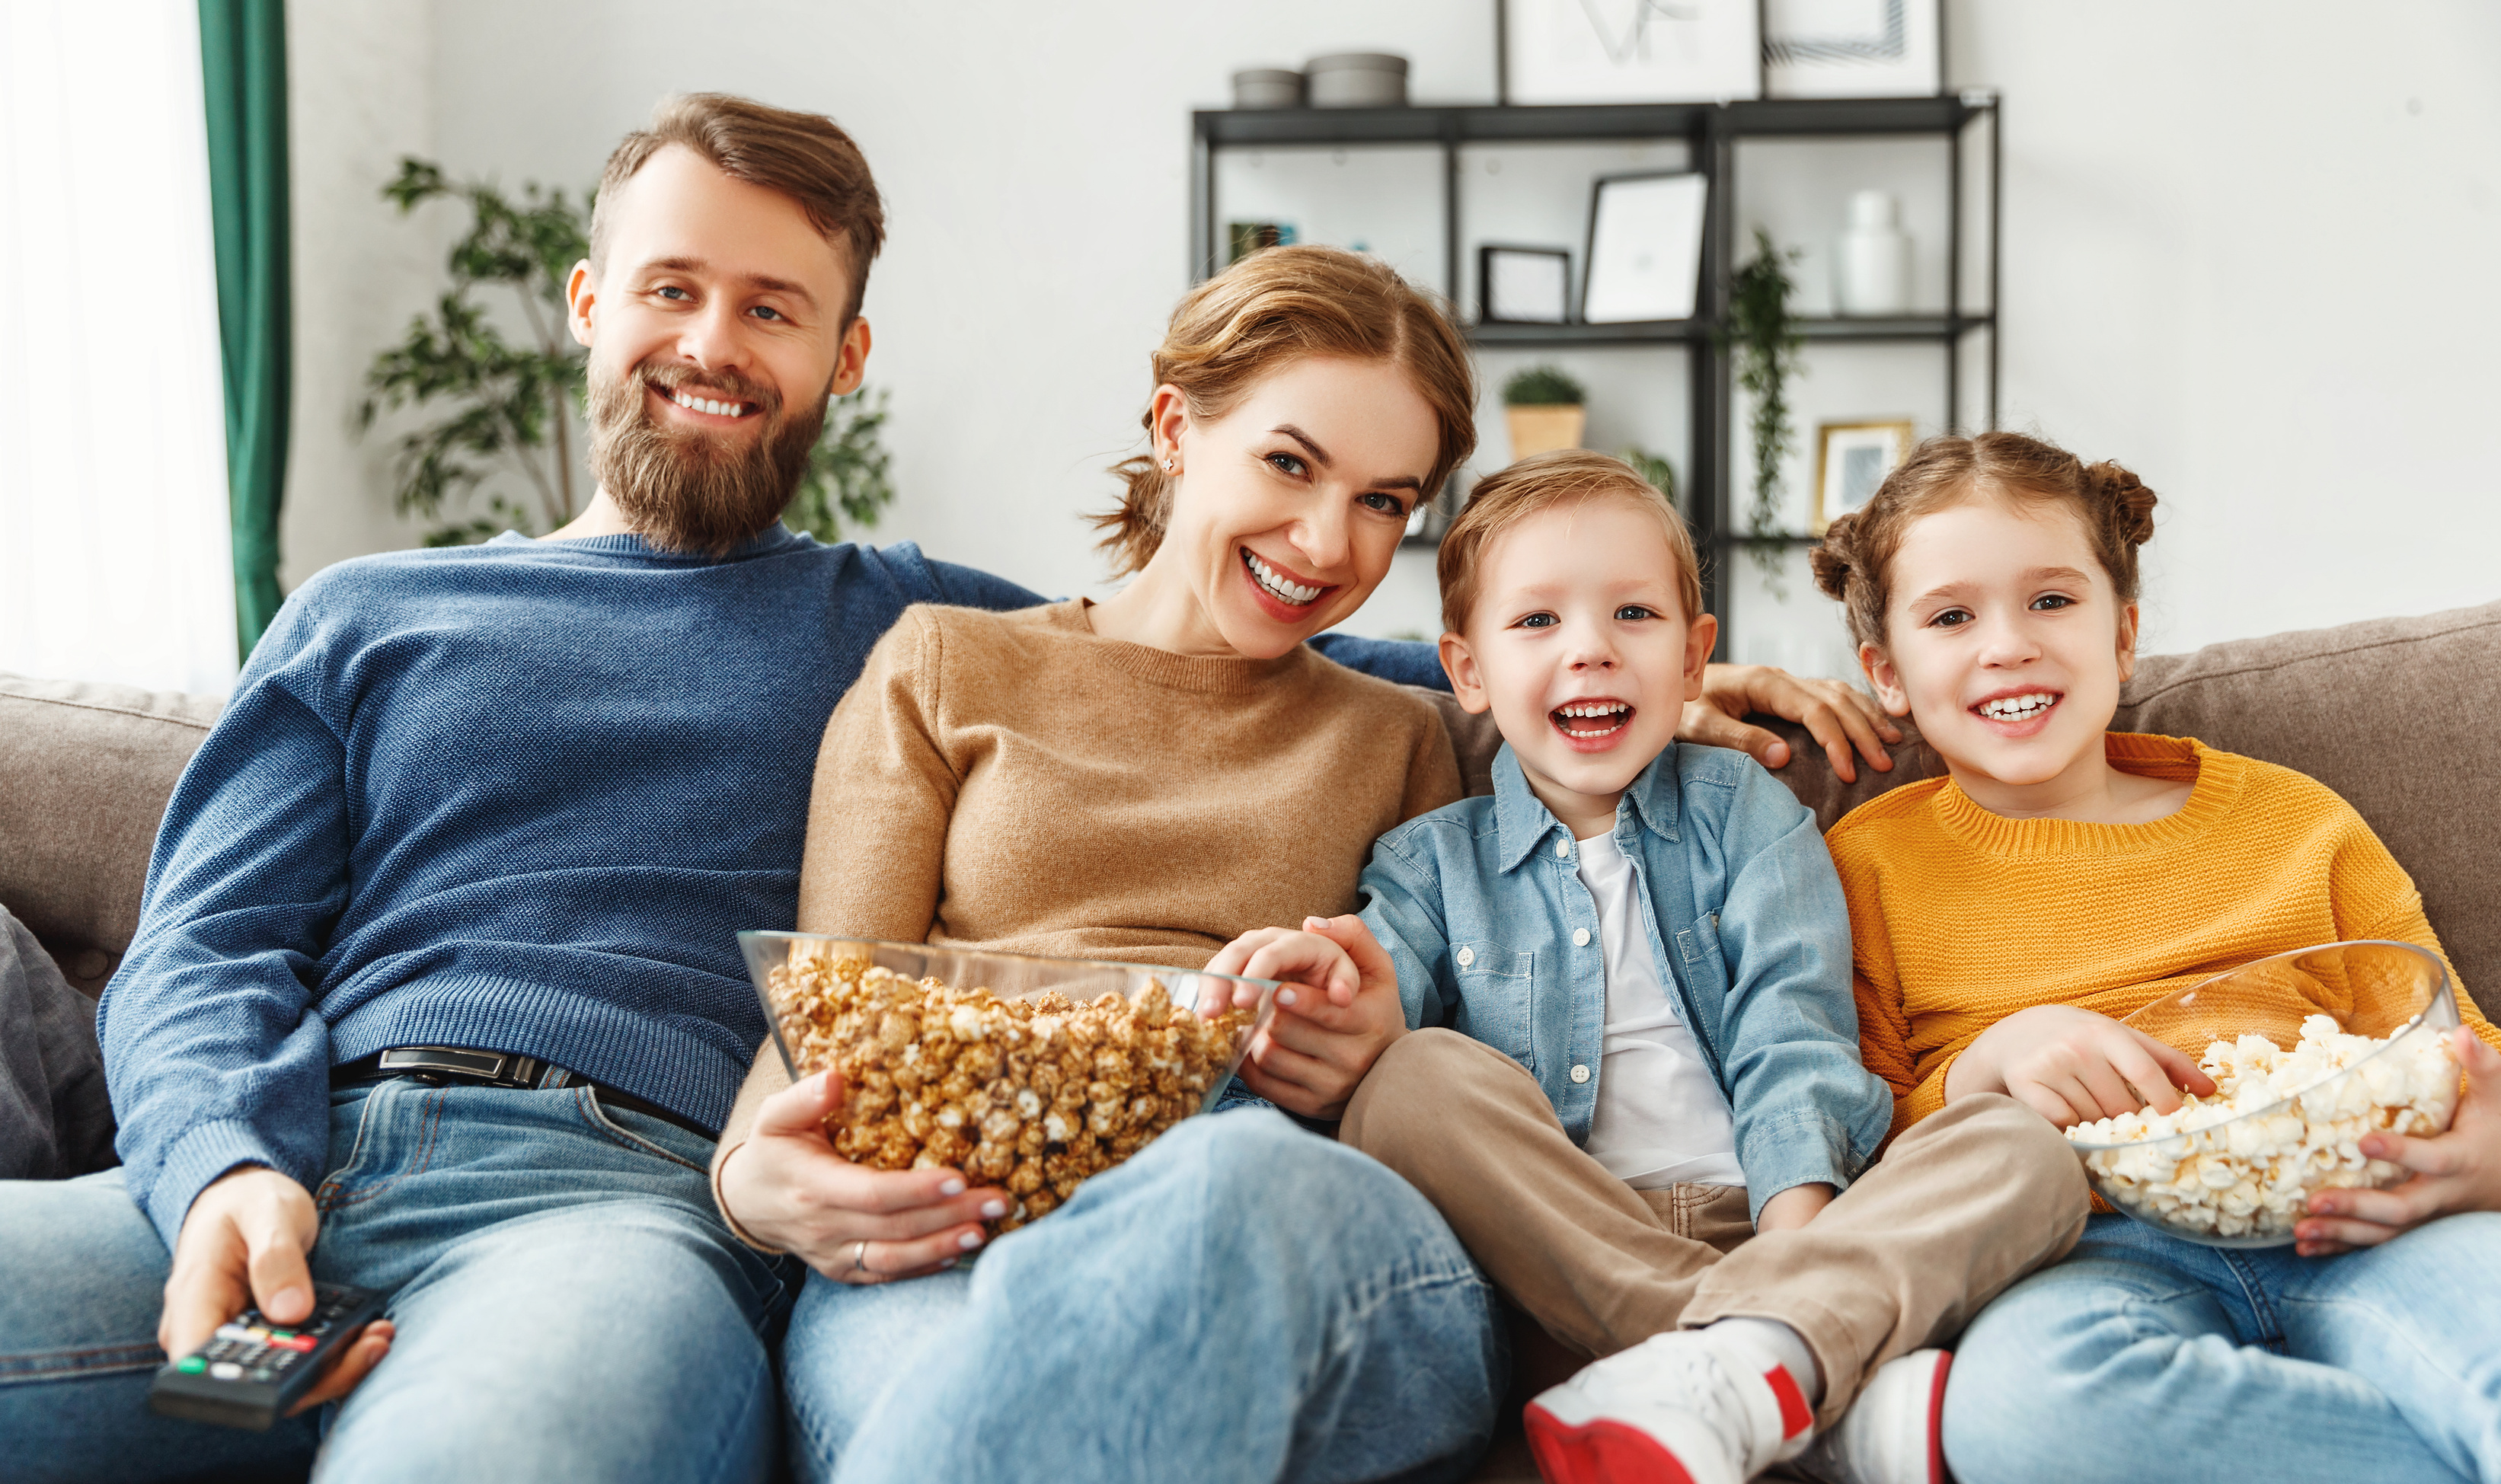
721, 1204
1929, 1097
1806, 1149
195, 1161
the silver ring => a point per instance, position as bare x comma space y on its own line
859, 1256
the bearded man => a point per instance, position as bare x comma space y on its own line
435, 990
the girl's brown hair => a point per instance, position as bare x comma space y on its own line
1854, 564
1273, 308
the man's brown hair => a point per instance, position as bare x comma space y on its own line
1853, 564
1538, 482
1260, 315
805, 156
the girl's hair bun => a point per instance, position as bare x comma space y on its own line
2128, 502
1833, 560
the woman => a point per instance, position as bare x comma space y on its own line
1145, 779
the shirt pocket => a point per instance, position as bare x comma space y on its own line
1497, 998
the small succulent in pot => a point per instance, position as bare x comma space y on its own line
1546, 409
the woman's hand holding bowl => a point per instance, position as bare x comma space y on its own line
787, 1188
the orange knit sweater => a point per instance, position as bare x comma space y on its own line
1960, 917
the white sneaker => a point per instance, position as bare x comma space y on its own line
1689, 1406
1891, 1433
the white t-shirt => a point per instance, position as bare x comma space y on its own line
1661, 1120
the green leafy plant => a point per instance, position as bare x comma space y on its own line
1656, 470
509, 405
848, 477
1764, 334
1542, 387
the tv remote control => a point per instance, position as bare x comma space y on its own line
251, 1370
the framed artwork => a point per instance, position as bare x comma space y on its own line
1853, 458
1523, 286
1629, 50
1645, 258
1853, 48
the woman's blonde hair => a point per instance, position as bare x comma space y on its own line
1267, 310
1854, 564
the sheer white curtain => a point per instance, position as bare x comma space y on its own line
114, 559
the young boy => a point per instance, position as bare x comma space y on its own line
1637, 1049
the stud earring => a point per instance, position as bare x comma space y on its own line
1171, 465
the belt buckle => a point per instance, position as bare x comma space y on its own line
496, 1069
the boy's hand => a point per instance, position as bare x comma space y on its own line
1334, 1018
2072, 1066
2459, 1171
1793, 1207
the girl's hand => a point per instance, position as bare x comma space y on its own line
1335, 1019
788, 1188
2072, 1066
2459, 1171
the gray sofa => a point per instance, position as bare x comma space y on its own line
2400, 715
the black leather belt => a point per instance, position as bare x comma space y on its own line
496, 1069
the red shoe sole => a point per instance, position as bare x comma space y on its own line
1937, 1422
1600, 1452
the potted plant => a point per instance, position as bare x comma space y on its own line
1545, 409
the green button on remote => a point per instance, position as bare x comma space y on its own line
192, 1366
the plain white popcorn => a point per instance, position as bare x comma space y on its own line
2211, 1170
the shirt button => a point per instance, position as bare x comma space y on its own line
1467, 956
1580, 1073
1562, 848
1579, 938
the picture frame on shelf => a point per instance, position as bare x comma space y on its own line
1628, 51
1853, 48
1523, 286
1851, 459
1644, 256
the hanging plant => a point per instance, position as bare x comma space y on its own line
1764, 336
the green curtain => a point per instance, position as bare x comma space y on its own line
243, 61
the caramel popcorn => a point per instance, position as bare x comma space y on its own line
2226, 1167
1032, 1095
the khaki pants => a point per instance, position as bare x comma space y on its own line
1963, 1203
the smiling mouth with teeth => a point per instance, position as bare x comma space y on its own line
1275, 585
1588, 720
2017, 708
713, 406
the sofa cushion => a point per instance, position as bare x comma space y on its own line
84, 773
2402, 717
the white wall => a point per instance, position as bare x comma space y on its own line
2238, 256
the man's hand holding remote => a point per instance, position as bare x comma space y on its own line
243, 1245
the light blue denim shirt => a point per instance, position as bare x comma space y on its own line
1477, 904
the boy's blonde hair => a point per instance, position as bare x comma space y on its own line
1541, 482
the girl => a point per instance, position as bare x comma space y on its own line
2004, 916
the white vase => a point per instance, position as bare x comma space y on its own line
1871, 264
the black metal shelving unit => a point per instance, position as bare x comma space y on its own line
1711, 132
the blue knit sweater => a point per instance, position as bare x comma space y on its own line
517, 797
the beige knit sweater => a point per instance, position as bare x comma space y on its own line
1014, 781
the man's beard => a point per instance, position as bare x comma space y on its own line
684, 489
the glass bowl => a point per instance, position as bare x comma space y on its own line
2240, 1176
1027, 1072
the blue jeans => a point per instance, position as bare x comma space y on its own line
569, 1307
1244, 1300
2144, 1357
